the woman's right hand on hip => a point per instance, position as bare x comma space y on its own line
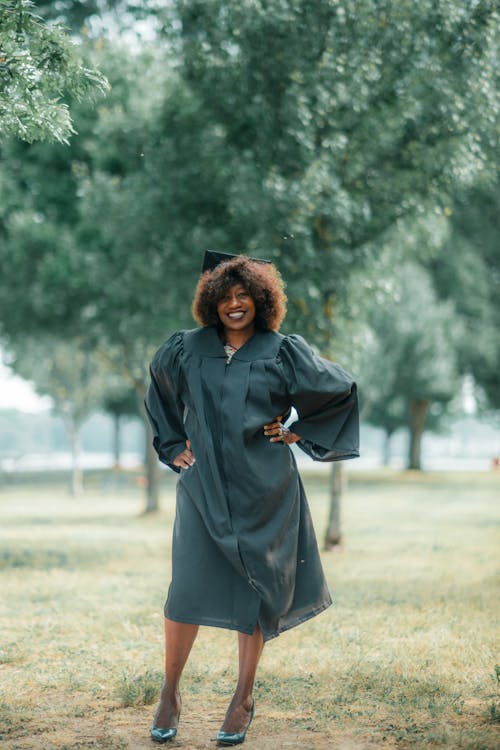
186, 458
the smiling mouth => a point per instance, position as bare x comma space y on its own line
235, 315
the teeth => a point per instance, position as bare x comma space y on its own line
236, 315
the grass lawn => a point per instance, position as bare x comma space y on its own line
405, 659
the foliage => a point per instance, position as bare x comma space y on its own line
468, 270
73, 376
121, 401
338, 120
39, 65
420, 334
304, 132
140, 689
414, 353
87, 14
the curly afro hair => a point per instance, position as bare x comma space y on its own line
262, 281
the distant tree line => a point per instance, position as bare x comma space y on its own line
25, 434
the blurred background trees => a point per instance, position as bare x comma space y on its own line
349, 142
76, 379
468, 269
418, 337
39, 65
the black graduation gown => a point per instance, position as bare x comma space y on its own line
244, 550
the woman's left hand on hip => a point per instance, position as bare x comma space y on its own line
277, 432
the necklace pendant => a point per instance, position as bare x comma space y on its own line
230, 350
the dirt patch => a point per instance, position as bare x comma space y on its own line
128, 729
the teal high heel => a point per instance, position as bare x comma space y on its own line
162, 735
234, 738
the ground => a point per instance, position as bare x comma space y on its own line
404, 659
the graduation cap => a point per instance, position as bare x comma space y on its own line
212, 259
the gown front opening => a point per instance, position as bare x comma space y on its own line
244, 550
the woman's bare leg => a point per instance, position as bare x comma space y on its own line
179, 638
249, 651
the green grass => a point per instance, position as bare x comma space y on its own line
405, 658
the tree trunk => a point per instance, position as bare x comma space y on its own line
116, 440
152, 475
417, 414
76, 486
333, 536
387, 448
151, 459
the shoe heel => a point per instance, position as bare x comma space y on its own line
227, 739
162, 735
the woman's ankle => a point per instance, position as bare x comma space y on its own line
170, 694
243, 699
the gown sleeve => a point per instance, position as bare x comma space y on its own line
325, 398
164, 407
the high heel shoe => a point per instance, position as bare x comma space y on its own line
234, 738
163, 735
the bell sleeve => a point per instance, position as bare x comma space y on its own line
164, 407
325, 398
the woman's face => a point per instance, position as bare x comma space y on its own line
236, 309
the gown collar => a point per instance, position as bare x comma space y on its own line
261, 345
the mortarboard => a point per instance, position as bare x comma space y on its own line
212, 259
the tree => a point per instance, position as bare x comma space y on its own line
39, 65
63, 228
417, 357
338, 120
316, 135
119, 402
74, 378
87, 14
468, 272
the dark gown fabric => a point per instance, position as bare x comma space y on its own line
244, 550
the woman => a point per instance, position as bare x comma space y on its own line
244, 554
